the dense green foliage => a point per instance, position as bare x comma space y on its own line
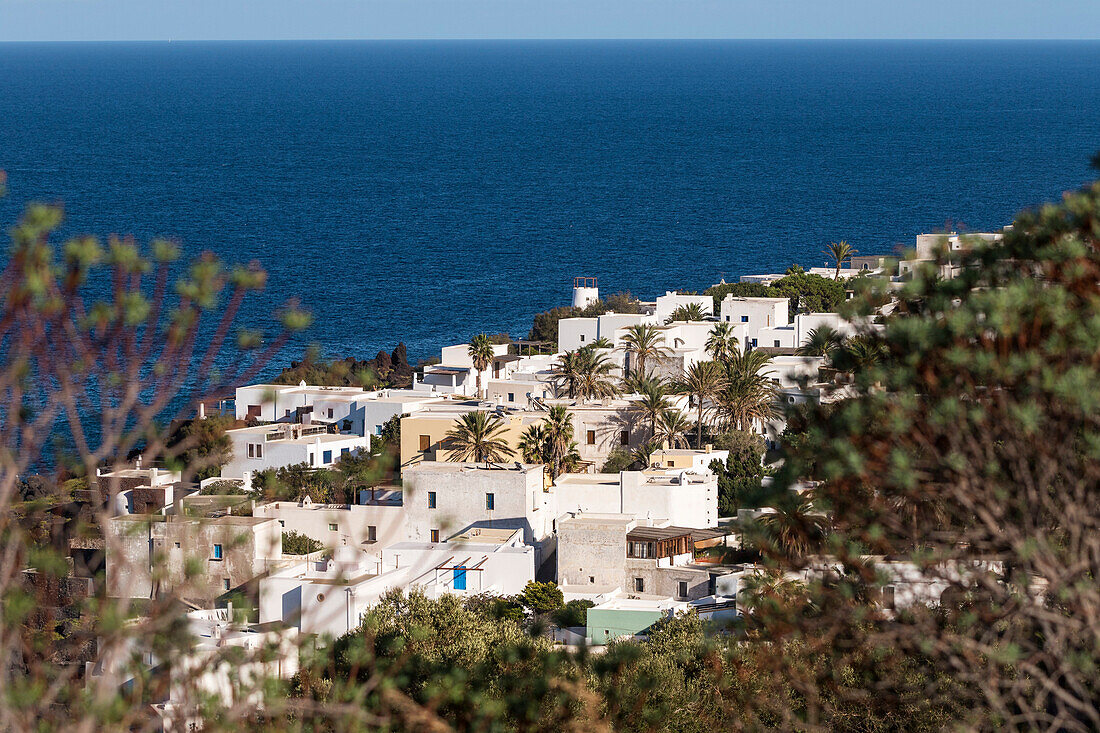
384, 370
296, 543
542, 598
739, 478
808, 293
619, 459
199, 448
573, 613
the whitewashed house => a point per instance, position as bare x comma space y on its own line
275, 446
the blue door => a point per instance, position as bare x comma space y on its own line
460, 578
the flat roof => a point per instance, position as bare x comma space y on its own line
587, 479
757, 299
639, 602
324, 437
457, 548
598, 518
457, 467
306, 388
484, 535
181, 519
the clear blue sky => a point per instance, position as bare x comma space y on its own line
37, 20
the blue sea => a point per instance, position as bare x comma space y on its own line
425, 191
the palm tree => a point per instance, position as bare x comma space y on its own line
558, 431
651, 403
642, 455
671, 427
644, 341
602, 343
532, 444
687, 312
704, 380
722, 343
550, 441
749, 393
794, 529
478, 436
481, 353
586, 374
860, 353
840, 252
770, 590
821, 341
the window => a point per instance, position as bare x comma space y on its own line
592, 579
640, 550
332, 527
727, 319
591, 437
511, 396
225, 583
683, 589
326, 457
624, 437
259, 450
744, 319
254, 410
377, 429
312, 458
435, 535
177, 545
217, 552
431, 500
753, 343
251, 450
776, 342
639, 585
344, 452
582, 338
888, 596
425, 442
489, 502
287, 413
372, 533
330, 413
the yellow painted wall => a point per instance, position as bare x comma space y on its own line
436, 428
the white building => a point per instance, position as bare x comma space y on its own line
455, 373
686, 497
755, 314
275, 446
447, 499
575, 333
352, 409
230, 661
797, 332
331, 596
369, 526
604, 551
671, 300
